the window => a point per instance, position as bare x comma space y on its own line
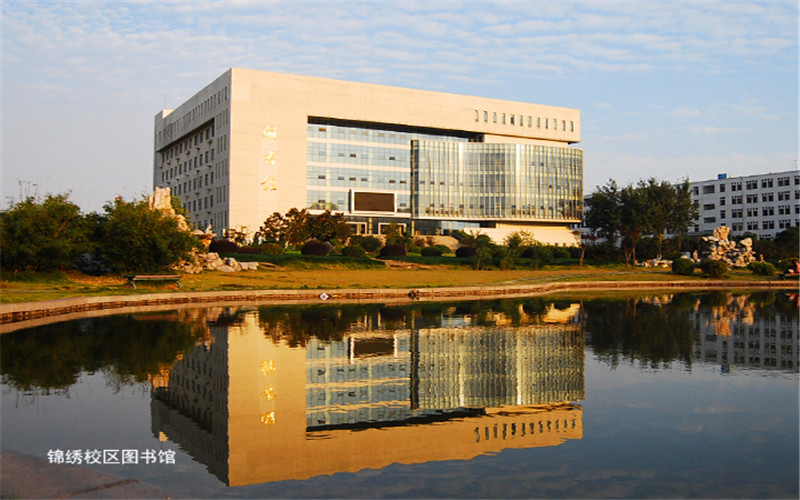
708, 189
722, 188
765, 197
538, 123
708, 206
768, 224
737, 214
752, 185
752, 198
709, 220
504, 118
766, 183
736, 200
477, 115
783, 181
767, 211
722, 214
512, 119
485, 116
737, 226
784, 210
784, 196
494, 116
752, 225
784, 224
722, 201
736, 186
752, 212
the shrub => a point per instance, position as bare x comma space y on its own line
271, 249
561, 253
316, 247
466, 252
762, 268
432, 252
714, 268
414, 249
539, 252
482, 258
249, 250
223, 246
369, 243
353, 251
683, 266
445, 249
393, 251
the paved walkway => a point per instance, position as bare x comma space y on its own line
26, 476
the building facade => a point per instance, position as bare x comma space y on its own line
763, 204
253, 143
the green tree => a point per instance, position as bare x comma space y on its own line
296, 226
42, 236
603, 212
632, 219
273, 229
786, 243
329, 227
136, 238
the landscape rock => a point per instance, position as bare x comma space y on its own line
732, 253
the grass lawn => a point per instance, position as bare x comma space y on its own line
30, 287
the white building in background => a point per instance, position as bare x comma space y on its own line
252, 143
763, 204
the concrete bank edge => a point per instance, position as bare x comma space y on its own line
25, 311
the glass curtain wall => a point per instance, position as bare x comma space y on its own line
496, 181
345, 157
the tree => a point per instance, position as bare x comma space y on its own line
296, 226
272, 230
603, 211
786, 243
137, 238
329, 227
632, 220
684, 211
42, 236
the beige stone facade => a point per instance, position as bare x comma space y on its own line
241, 149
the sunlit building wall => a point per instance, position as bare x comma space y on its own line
762, 204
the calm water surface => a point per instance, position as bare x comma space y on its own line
687, 395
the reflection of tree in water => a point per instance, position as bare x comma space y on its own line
296, 325
653, 333
127, 348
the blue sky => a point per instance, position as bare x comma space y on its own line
666, 89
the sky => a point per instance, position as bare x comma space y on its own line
671, 90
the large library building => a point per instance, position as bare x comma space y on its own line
252, 143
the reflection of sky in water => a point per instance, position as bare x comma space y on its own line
674, 431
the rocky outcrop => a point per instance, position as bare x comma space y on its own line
734, 254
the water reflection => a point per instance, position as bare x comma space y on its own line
263, 394
384, 386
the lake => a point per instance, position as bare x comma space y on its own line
689, 395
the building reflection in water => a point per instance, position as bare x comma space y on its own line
738, 331
254, 408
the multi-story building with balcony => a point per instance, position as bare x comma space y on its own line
763, 204
253, 143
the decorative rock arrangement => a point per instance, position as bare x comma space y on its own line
734, 254
213, 262
161, 199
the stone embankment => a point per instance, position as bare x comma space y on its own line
25, 314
